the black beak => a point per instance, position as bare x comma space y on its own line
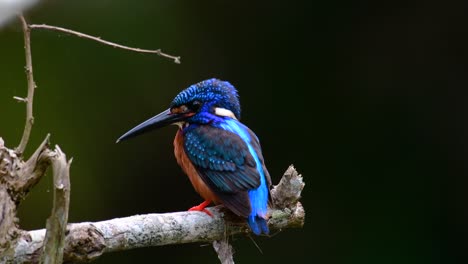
163, 119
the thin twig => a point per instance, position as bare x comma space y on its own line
20, 99
105, 42
31, 87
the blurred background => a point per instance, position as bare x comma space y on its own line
367, 102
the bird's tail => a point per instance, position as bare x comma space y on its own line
258, 224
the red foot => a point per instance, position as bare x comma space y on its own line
201, 208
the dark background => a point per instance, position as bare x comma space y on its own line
367, 102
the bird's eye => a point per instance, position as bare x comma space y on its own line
195, 105
183, 109
187, 108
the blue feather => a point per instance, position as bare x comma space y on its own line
224, 161
258, 197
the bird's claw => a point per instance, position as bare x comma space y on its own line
201, 209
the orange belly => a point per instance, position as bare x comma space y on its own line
189, 169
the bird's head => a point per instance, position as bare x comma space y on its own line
199, 103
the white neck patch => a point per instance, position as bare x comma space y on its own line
219, 111
181, 124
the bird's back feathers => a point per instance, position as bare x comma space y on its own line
228, 158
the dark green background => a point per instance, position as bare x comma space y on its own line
361, 99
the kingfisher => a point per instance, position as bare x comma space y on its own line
221, 156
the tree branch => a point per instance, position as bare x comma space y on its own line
27, 174
31, 87
105, 42
87, 241
16, 180
57, 223
224, 251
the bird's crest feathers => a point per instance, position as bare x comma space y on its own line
219, 93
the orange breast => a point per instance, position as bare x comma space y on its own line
189, 169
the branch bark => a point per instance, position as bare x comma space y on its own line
87, 241
17, 178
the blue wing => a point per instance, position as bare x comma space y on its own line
225, 164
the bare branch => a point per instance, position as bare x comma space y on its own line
87, 241
16, 179
289, 189
105, 42
57, 223
224, 251
28, 173
31, 87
